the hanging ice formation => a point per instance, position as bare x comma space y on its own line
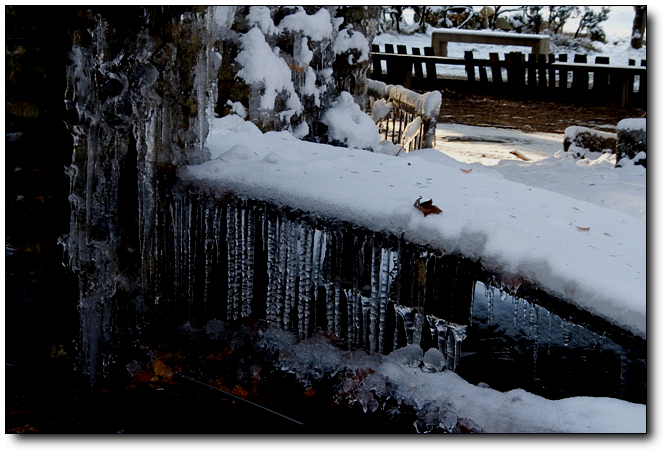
233, 259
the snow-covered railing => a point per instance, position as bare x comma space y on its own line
404, 116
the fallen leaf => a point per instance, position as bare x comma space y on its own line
426, 207
466, 170
583, 229
608, 234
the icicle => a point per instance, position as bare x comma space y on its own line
383, 286
459, 333
231, 242
417, 327
191, 251
534, 331
441, 328
209, 246
248, 252
373, 344
305, 277
273, 270
566, 333
490, 295
292, 257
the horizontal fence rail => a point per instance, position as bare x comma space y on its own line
515, 74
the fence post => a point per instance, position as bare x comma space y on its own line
542, 68
376, 73
531, 71
469, 66
642, 91
601, 78
496, 67
580, 77
552, 79
563, 74
431, 70
392, 66
418, 70
405, 70
515, 70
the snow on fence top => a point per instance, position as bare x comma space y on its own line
427, 104
593, 256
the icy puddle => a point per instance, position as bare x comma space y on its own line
489, 146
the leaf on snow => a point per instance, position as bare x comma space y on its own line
466, 170
583, 229
426, 207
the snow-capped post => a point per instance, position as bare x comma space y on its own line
632, 141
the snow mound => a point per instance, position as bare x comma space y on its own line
349, 125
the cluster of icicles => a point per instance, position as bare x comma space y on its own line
301, 274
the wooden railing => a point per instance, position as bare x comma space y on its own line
412, 118
547, 75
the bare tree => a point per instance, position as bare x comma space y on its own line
639, 26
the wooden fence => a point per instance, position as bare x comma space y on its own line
546, 75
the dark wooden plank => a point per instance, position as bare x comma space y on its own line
496, 67
469, 66
600, 77
580, 77
376, 72
405, 68
431, 70
418, 68
542, 69
552, 79
563, 73
531, 71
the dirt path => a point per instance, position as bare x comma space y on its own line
529, 115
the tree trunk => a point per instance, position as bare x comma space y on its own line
639, 26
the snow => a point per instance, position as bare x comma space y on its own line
260, 64
442, 397
348, 39
317, 26
632, 124
576, 249
349, 125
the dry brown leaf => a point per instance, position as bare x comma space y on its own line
466, 170
583, 229
608, 234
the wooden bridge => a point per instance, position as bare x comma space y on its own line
544, 75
